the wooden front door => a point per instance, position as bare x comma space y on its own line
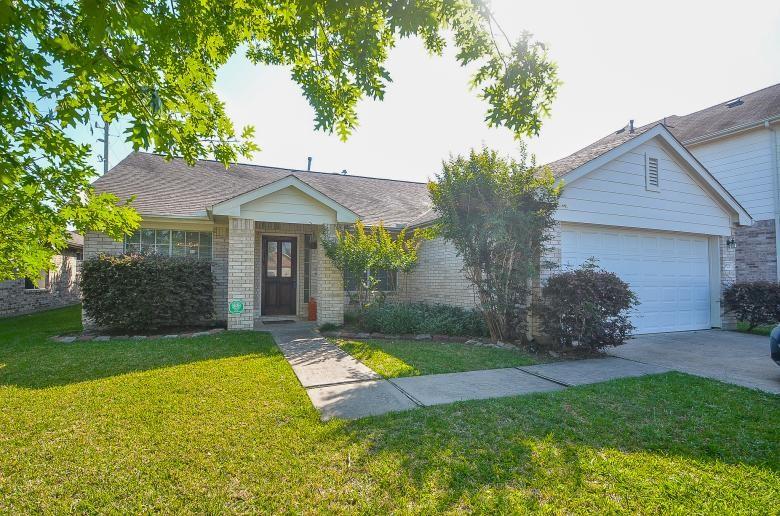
279, 275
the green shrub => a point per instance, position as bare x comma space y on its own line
755, 303
328, 326
587, 307
399, 318
137, 292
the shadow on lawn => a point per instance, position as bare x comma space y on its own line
44, 363
638, 432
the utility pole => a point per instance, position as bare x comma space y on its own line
105, 143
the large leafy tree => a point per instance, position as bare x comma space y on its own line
154, 63
498, 213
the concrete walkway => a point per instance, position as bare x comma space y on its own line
341, 386
337, 384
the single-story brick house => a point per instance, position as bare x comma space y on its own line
637, 200
53, 288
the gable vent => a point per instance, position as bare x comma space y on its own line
652, 174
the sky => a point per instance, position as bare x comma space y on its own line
618, 60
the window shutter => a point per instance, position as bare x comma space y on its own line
652, 173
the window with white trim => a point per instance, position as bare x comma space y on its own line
652, 173
170, 242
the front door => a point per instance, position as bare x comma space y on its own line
279, 275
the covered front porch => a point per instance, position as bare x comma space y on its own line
268, 261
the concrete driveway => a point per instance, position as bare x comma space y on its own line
727, 356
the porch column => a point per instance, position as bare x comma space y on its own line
330, 288
241, 273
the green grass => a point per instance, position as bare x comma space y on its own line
396, 358
220, 424
758, 330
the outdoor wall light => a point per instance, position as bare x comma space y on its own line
731, 243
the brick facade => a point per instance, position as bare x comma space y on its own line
219, 267
61, 288
756, 254
329, 287
437, 278
241, 272
96, 244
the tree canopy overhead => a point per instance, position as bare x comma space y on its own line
154, 63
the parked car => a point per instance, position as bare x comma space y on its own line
774, 344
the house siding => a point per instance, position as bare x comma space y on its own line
288, 204
744, 166
615, 195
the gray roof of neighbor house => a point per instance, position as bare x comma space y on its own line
174, 188
75, 239
747, 110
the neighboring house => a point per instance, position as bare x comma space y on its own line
738, 142
637, 200
54, 288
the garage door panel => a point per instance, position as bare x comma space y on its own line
669, 273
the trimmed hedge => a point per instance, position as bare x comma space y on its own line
756, 303
586, 307
408, 318
138, 292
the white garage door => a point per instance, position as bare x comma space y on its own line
668, 272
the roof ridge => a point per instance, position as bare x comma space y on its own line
292, 170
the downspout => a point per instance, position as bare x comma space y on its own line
775, 163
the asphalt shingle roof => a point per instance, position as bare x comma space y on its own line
174, 188
749, 109
594, 150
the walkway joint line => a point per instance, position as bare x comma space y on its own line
553, 380
412, 398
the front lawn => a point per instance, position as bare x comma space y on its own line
395, 358
220, 424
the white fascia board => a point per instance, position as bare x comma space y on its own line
683, 153
232, 207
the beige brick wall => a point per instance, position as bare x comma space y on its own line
437, 278
219, 267
241, 271
330, 288
62, 289
98, 243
